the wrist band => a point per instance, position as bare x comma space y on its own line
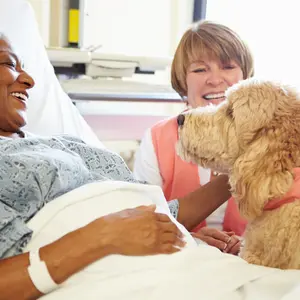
39, 273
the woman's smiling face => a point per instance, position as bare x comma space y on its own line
14, 83
208, 80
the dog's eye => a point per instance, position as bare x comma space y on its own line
229, 112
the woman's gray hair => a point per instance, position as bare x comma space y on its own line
4, 37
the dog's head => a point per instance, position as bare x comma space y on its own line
254, 136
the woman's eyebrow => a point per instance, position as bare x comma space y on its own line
198, 62
10, 53
14, 56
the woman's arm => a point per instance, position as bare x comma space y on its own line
198, 205
62, 257
150, 233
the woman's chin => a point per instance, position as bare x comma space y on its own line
20, 120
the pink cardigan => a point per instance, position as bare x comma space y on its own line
181, 178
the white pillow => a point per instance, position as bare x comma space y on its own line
50, 110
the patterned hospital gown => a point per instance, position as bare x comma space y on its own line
36, 170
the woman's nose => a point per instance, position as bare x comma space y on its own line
26, 79
215, 78
180, 120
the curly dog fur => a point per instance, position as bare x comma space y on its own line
254, 136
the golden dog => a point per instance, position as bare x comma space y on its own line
254, 136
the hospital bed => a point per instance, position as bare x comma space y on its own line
198, 272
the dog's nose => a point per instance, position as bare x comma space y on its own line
180, 120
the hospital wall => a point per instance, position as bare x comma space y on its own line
138, 27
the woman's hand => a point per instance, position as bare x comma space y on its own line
138, 231
227, 242
234, 244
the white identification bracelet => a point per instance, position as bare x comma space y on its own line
39, 273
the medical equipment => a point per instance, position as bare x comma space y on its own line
115, 89
108, 76
99, 63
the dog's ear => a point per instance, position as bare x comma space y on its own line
253, 105
257, 178
266, 118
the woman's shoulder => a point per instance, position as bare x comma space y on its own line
165, 133
166, 130
169, 123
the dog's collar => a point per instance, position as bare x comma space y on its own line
292, 195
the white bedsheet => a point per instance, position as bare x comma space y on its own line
197, 272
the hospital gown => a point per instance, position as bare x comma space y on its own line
36, 170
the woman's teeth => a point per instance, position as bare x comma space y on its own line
214, 96
19, 96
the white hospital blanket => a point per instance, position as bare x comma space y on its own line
196, 272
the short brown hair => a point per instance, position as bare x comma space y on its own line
210, 40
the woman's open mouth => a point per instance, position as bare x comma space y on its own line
20, 97
216, 96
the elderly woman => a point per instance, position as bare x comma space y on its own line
35, 170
